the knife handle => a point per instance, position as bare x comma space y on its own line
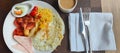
85, 42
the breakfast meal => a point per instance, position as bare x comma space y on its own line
41, 28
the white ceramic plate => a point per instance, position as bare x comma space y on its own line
9, 27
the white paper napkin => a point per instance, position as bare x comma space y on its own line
72, 34
100, 29
75, 38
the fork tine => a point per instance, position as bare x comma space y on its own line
86, 16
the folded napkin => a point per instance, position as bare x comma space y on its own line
100, 32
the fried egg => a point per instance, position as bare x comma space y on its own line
54, 36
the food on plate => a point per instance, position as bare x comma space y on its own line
34, 11
21, 9
18, 11
48, 39
18, 31
24, 42
23, 25
48, 32
19, 47
42, 26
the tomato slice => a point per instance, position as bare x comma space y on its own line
35, 8
18, 21
34, 11
18, 31
23, 23
28, 18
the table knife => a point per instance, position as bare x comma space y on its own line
82, 30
